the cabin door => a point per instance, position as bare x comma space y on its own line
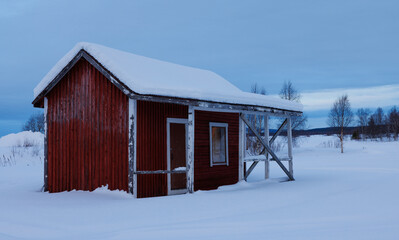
177, 155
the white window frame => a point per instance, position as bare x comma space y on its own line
226, 126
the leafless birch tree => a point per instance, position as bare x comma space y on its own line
340, 117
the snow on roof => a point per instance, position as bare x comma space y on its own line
149, 76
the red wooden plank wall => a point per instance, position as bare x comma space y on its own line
151, 144
205, 176
87, 132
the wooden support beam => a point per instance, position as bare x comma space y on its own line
190, 150
268, 149
244, 170
289, 138
132, 147
45, 175
278, 131
281, 159
241, 146
160, 172
266, 133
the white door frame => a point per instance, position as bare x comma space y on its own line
179, 121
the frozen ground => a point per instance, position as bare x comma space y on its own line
335, 196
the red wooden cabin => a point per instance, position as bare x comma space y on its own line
144, 126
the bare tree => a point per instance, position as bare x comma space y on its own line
289, 92
393, 117
362, 121
340, 117
255, 88
379, 116
35, 123
253, 144
387, 126
371, 128
380, 123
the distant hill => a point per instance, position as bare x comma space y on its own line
325, 131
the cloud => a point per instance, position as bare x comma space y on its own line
370, 97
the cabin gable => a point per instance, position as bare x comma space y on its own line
81, 55
87, 125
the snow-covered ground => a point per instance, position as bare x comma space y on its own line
353, 195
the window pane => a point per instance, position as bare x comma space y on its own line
218, 144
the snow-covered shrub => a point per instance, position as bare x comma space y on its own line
24, 148
35, 150
29, 143
277, 146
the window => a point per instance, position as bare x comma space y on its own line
218, 135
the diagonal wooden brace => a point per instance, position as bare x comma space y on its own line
268, 149
247, 172
275, 135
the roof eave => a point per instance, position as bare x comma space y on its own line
217, 105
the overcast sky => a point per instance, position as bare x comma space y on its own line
326, 48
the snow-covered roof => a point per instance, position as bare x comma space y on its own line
148, 76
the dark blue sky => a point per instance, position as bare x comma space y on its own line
316, 44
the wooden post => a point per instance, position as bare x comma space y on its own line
132, 147
289, 136
45, 161
190, 150
266, 133
241, 145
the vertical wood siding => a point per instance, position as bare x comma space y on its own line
205, 176
87, 132
151, 144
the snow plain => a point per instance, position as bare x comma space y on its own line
353, 195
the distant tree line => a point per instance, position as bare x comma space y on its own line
369, 125
377, 124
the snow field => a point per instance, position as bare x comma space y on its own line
335, 196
